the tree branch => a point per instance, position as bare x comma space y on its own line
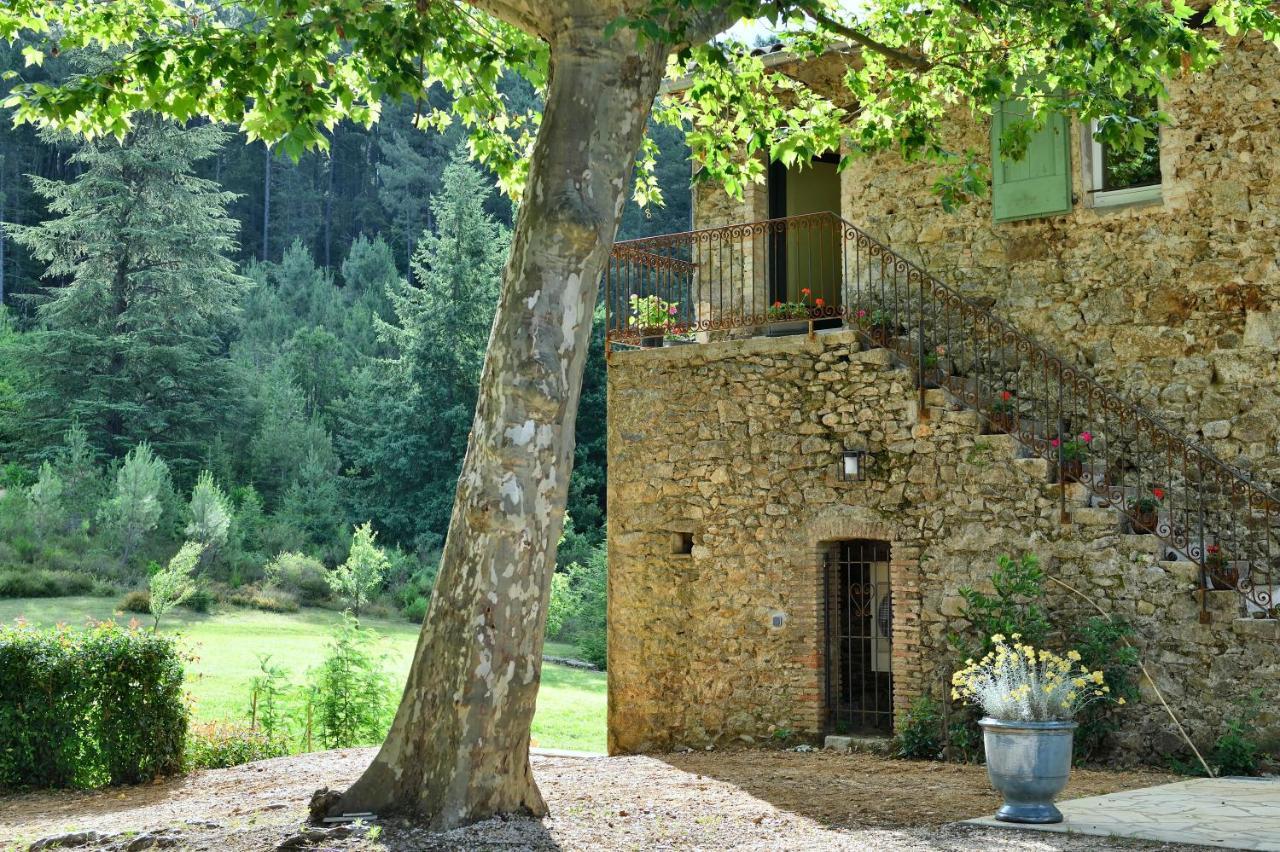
532, 17
860, 38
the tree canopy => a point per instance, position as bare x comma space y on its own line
287, 72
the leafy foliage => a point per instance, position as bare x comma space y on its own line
86, 708
360, 577
1104, 646
919, 735
1013, 608
352, 694
217, 745
172, 584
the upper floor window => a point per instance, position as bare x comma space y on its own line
1123, 177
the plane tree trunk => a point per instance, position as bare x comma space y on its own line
458, 750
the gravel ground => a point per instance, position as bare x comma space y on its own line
739, 800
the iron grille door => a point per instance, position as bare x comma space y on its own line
858, 615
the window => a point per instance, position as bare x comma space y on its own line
682, 544
1123, 177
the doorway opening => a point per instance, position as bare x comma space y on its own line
858, 629
806, 258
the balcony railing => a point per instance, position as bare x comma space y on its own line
803, 273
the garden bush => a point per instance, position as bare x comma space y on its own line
270, 600
39, 583
217, 745
138, 601
90, 707
920, 734
302, 576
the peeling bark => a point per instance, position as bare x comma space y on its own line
458, 750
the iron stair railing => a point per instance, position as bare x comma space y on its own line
803, 272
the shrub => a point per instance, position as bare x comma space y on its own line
85, 708
1103, 645
138, 601
920, 734
351, 692
360, 577
39, 583
1236, 752
217, 745
201, 600
302, 576
271, 600
584, 618
416, 609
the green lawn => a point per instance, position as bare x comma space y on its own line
571, 703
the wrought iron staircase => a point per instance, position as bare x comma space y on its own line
807, 272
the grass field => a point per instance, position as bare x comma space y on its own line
227, 644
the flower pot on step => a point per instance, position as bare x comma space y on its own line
786, 328
1002, 421
1144, 523
1028, 763
651, 337
1223, 575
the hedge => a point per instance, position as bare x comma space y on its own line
84, 708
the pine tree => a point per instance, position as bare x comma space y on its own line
140, 300
211, 517
403, 428
45, 497
135, 508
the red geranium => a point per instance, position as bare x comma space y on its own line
1158, 493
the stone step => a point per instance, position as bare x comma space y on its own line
1037, 469
865, 744
1147, 544
1095, 517
1002, 446
1185, 572
937, 397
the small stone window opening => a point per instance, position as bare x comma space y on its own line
682, 544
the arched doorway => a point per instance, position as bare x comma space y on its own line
858, 631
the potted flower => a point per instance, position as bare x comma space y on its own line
1072, 454
1144, 512
933, 371
1030, 698
1222, 573
1002, 412
878, 324
793, 317
653, 318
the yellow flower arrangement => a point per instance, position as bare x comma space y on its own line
1016, 682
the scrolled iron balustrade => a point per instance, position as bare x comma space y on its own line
740, 279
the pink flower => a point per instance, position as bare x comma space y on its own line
862, 312
671, 310
1086, 436
1055, 443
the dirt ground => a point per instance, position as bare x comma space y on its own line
736, 800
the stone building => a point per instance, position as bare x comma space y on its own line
835, 405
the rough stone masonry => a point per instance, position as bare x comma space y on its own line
735, 444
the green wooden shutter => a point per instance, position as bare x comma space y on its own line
1040, 183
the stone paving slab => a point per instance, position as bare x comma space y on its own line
1235, 813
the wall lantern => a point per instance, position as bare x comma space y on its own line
853, 466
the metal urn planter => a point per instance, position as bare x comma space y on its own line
1028, 763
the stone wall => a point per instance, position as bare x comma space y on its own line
735, 443
1175, 304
